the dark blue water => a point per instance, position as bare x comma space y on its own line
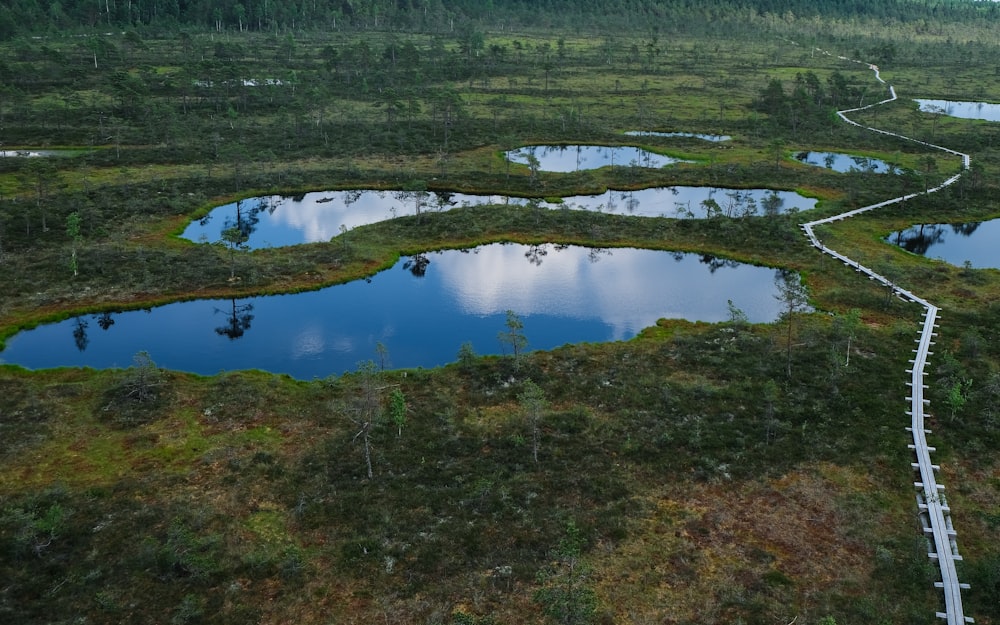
977, 243
562, 294
569, 158
846, 162
275, 221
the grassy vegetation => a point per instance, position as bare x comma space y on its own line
707, 485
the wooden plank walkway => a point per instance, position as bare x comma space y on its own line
935, 514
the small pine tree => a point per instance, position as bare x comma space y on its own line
514, 336
564, 596
397, 410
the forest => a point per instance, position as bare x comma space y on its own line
20, 17
698, 472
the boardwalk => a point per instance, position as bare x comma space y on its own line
935, 514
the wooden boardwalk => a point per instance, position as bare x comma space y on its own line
935, 514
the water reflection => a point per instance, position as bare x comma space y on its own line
27, 153
846, 162
417, 265
964, 110
238, 320
314, 217
973, 242
692, 135
692, 202
570, 158
80, 337
564, 294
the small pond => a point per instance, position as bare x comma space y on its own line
691, 135
276, 221
246, 82
965, 110
692, 202
570, 158
846, 162
975, 242
29, 153
422, 310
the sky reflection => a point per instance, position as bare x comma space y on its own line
845, 162
965, 110
422, 312
317, 217
570, 158
692, 135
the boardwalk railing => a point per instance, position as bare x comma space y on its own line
935, 514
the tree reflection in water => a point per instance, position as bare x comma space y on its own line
966, 230
417, 265
535, 253
80, 334
238, 320
715, 263
920, 238
104, 320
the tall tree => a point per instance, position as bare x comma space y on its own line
367, 410
794, 299
73, 232
533, 405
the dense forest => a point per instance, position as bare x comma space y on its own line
725, 472
40, 16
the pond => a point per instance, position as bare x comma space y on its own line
276, 221
29, 153
975, 242
692, 135
846, 162
964, 110
570, 158
692, 202
421, 310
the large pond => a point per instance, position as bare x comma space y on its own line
570, 158
846, 162
275, 221
965, 110
690, 135
422, 311
975, 242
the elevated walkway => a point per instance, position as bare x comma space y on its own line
934, 512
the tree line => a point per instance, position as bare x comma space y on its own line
21, 17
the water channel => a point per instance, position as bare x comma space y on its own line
421, 310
